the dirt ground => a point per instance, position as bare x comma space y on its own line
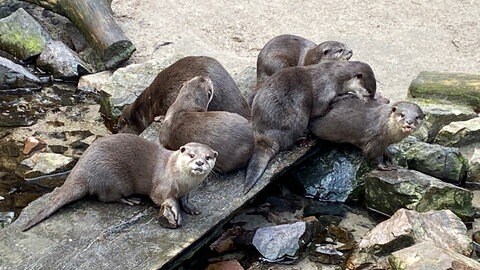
397, 38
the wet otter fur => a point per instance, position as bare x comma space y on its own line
291, 97
118, 166
370, 126
188, 120
162, 92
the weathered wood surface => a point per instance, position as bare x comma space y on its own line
95, 21
92, 235
454, 87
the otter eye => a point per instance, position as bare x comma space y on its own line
191, 155
326, 52
340, 51
359, 76
207, 158
402, 115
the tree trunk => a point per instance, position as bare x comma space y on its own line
454, 87
95, 21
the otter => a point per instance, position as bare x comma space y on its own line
290, 50
120, 165
162, 92
188, 120
291, 97
370, 126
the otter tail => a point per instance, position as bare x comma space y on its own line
265, 149
58, 198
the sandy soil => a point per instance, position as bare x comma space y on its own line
397, 38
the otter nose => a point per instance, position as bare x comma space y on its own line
409, 121
199, 162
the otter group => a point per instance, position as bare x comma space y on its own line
207, 124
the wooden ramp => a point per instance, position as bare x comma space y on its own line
91, 235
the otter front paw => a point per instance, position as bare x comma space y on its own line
169, 214
188, 207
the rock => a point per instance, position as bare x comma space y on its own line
62, 62
46, 163
15, 76
388, 191
442, 162
474, 167
459, 133
6, 218
278, 242
227, 265
93, 82
229, 240
67, 131
246, 80
251, 221
407, 228
438, 114
127, 83
427, 255
333, 174
33, 144
94, 59
21, 35
456, 87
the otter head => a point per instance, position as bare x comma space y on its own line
360, 80
406, 117
195, 93
125, 122
197, 159
328, 51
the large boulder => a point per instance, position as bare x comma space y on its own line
14, 76
446, 163
333, 174
21, 35
407, 228
438, 114
459, 133
388, 191
456, 87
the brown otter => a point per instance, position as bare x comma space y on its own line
290, 50
162, 92
117, 166
287, 100
371, 126
188, 120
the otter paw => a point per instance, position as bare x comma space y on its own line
188, 207
131, 201
169, 215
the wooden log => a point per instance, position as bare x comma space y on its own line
453, 87
95, 21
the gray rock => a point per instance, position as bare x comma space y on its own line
6, 218
407, 228
442, 162
60, 61
45, 163
15, 76
65, 131
427, 255
127, 83
246, 80
21, 35
278, 242
474, 167
388, 191
438, 114
93, 82
333, 174
459, 133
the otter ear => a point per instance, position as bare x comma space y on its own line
215, 154
359, 76
182, 149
